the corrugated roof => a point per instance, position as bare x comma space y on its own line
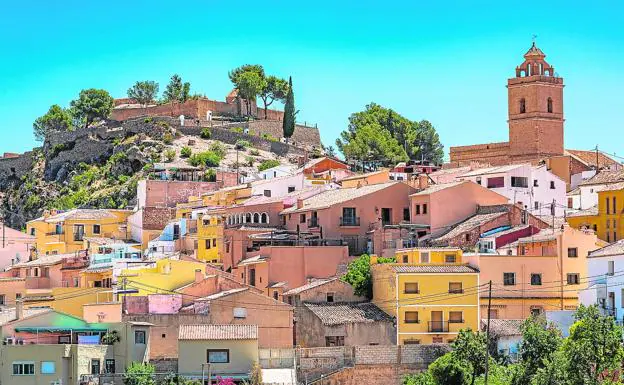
434, 269
616, 248
332, 314
218, 332
333, 197
311, 285
438, 187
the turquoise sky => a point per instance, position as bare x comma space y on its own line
442, 61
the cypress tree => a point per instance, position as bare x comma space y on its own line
289, 112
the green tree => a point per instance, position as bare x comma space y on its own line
403, 138
594, 348
274, 89
56, 119
268, 163
288, 125
92, 105
144, 92
449, 370
359, 275
373, 144
236, 72
177, 90
255, 377
250, 85
331, 151
139, 374
424, 378
540, 340
552, 372
470, 347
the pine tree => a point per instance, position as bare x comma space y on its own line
289, 112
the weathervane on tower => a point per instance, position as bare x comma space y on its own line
533, 38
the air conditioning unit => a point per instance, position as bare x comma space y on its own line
8, 341
20, 342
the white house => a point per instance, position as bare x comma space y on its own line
532, 186
605, 267
270, 173
589, 188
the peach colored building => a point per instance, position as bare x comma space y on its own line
212, 281
379, 176
351, 214
290, 266
537, 273
49, 271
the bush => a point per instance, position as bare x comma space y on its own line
205, 133
270, 137
168, 138
218, 148
170, 155
210, 175
242, 144
205, 159
249, 161
254, 152
185, 152
238, 129
147, 120
267, 164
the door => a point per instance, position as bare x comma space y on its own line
437, 322
386, 216
252, 277
78, 232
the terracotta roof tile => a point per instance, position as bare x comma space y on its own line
616, 248
438, 187
332, 314
582, 213
504, 327
589, 158
434, 269
218, 332
311, 285
469, 224
604, 177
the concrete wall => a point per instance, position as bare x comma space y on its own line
243, 353
162, 193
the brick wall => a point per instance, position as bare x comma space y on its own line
155, 218
492, 153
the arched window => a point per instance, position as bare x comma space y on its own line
550, 105
248, 218
256, 218
264, 218
522, 106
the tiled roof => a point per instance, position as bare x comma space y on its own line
589, 158
489, 209
218, 332
542, 236
582, 213
8, 314
504, 327
445, 171
469, 224
438, 187
78, 214
493, 170
576, 191
44, 260
333, 197
256, 259
434, 269
616, 248
549, 219
332, 314
311, 285
614, 187
278, 284
222, 294
366, 175
604, 177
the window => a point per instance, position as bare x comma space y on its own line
535, 183
455, 288
302, 218
2, 299
330, 297
411, 342
449, 258
139, 336
417, 209
456, 317
522, 250
239, 312
424, 208
96, 229
424, 257
519, 181
536, 279
406, 214
552, 185
24, 368
608, 237
611, 268
109, 365
411, 288
536, 310
509, 279
78, 232
572, 252
493, 313
536, 205
608, 206
574, 279
614, 206
58, 229
276, 295
214, 242
291, 189
95, 366
48, 367
218, 356
405, 258
32, 231
411, 317
614, 236
267, 193
522, 106
334, 341
479, 180
64, 339
549, 105
163, 335
496, 182
467, 237
208, 243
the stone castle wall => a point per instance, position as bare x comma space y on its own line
493, 153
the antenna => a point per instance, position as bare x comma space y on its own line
533, 38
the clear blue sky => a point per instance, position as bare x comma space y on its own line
442, 61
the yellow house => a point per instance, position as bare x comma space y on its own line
210, 239
431, 292
60, 232
164, 277
224, 197
606, 219
66, 299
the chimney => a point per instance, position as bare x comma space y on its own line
46, 214
53, 212
423, 181
199, 275
299, 203
19, 309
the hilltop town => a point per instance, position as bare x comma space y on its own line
196, 241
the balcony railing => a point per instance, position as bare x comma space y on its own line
438, 327
313, 222
349, 221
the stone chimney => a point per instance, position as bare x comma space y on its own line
19, 309
423, 181
199, 275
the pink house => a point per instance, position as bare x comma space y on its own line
351, 214
14, 246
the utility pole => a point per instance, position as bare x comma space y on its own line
487, 334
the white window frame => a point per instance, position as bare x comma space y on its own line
23, 363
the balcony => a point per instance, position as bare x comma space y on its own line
313, 222
350, 221
438, 327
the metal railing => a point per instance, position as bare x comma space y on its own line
313, 222
349, 221
438, 327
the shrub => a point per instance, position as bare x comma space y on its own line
205, 133
254, 152
269, 137
242, 144
249, 160
238, 129
267, 164
210, 175
218, 148
168, 138
205, 159
147, 120
185, 152
123, 178
170, 155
